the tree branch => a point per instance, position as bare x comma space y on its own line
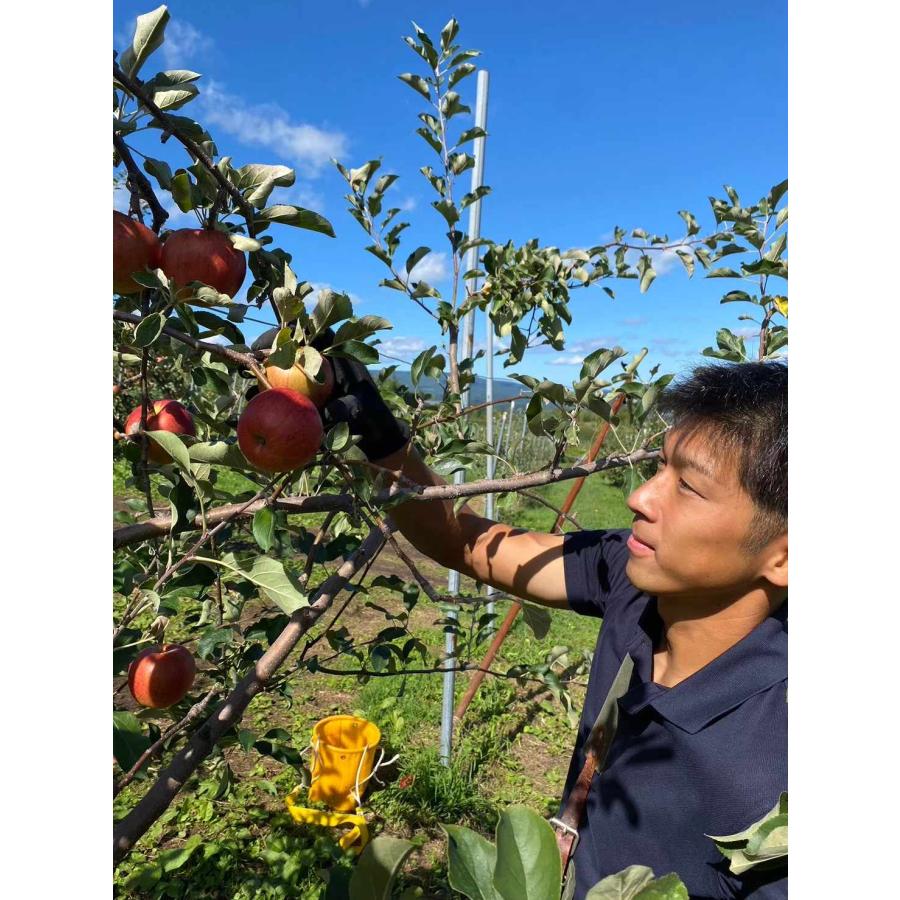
171, 779
141, 182
134, 87
161, 525
131, 534
248, 360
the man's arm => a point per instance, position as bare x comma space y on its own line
527, 564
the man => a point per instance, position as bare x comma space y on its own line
693, 597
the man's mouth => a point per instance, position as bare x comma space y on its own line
637, 546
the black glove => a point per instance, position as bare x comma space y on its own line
356, 401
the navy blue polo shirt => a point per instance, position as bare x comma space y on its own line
708, 756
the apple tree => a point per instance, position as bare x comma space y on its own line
235, 555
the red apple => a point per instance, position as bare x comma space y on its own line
135, 249
159, 677
162, 415
280, 430
205, 255
297, 380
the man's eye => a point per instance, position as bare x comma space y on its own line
685, 485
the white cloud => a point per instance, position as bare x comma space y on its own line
407, 204
402, 347
268, 125
317, 286
433, 268
183, 43
567, 359
635, 320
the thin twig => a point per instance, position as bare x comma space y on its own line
537, 498
194, 713
141, 183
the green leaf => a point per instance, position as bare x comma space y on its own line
459, 73
777, 193
374, 875
448, 33
669, 887
417, 83
359, 178
737, 297
129, 740
161, 171
723, 273
149, 329
213, 638
624, 885
538, 619
171, 90
419, 365
286, 214
447, 210
770, 839
148, 36
690, 221
528, 866
264, 528
359, 351
472, 196
646, 272
269, 576
174, 446
471, 863
172, 860
470, 134
256, 181
416, 256
357, 329
243, 243
332, 307
219, 453
182, 193
338, 437
687, 260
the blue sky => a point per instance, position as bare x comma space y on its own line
603, 115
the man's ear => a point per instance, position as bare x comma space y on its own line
775, 562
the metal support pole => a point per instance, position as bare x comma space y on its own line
459, 477
509, 428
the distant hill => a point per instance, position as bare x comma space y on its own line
504, 388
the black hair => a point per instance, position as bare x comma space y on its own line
742, 409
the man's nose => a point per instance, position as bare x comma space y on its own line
642, 500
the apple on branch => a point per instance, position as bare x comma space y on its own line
204, 255
159, 677
162, 415
280, 430
135, 249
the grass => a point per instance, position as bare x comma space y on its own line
228, 836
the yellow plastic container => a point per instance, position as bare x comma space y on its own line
353, 838
343, 753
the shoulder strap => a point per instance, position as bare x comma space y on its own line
596, 749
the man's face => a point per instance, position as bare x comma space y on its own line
691, 522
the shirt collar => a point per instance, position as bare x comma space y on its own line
752, 665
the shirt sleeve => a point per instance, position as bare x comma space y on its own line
594, 565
